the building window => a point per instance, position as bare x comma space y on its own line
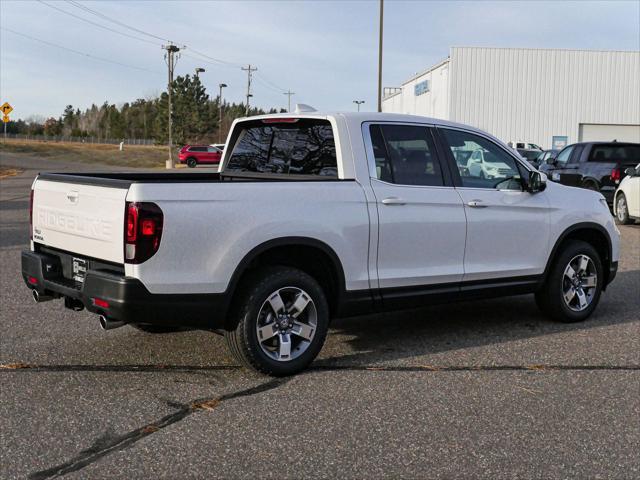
422, 87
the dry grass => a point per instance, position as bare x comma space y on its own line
8, 172
132, 155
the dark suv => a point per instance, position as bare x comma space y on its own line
597, 166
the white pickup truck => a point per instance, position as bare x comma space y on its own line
314, 216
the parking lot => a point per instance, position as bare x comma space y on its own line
486, 389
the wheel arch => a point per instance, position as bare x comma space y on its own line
592, 233
310, 255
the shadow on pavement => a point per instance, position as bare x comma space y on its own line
454, 326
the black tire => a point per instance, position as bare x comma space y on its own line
592, 186
550, 298
243, 341
622, 210
192, 162
143, 327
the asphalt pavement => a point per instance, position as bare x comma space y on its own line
488, 389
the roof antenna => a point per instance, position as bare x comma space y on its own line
304, 108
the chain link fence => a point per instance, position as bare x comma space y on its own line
66, 138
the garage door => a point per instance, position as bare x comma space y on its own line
590, 132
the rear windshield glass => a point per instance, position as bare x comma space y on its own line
303, 147
613, 153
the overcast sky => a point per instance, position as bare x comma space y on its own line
325, 51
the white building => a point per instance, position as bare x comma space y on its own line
531, 95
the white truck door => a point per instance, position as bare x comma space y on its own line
507, 228
422, 224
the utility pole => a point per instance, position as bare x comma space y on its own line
380, 57
222, 85
249, 69
358, 103
170, 56
288, 93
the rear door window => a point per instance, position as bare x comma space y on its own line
291, 147
615, 153
405, 155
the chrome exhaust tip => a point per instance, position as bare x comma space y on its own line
109, 324
38, 298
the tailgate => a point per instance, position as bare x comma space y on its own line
84, 219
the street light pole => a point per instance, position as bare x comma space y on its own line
222, 85
199, 70
358, 102
380, 57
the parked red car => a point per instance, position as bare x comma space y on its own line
194, 155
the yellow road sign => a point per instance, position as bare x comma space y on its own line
5, 118
6, 108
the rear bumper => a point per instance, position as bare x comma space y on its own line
608, 193
127, 299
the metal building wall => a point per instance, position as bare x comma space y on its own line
434, 103
534, 94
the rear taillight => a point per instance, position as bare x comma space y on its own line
616, 175
142, 231
31, 215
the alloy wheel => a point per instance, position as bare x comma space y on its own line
286, 324
621, 209
579, 283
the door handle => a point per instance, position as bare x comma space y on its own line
476, 204
393, 201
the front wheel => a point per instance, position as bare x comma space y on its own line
192, 162
622, 210
282, 322
573, 286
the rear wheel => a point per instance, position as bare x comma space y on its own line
192, 162
592, 186
574, 284
622, 210
282, 322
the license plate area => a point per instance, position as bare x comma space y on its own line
79, 269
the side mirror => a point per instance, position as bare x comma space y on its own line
551, 161
536, 183
630, 171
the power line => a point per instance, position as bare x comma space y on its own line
97, 24
273, 85
76, 51
208, 61
217, 60
112, 20
122, 24
265, 84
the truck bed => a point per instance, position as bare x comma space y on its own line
124, 180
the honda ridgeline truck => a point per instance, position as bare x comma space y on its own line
314, 216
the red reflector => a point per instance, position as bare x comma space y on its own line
33, 280
280, 120
148, 227
98, 302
